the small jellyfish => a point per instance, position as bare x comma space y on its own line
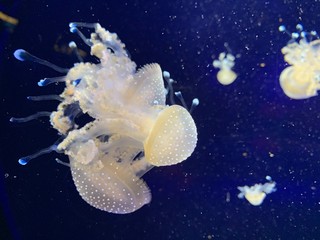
130, 129
225, 63
301, 80
257, 193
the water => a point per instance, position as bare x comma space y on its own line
247, 130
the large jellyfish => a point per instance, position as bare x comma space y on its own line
130, 128
300, 80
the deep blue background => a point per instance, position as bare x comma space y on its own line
253, 116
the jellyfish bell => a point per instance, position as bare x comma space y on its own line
298, 82
255, 198
226, 76
130, 130
107, 181
172, 137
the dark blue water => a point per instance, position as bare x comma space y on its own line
251, 116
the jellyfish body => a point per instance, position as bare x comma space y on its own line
225, 63
132, 129
300, 80
256, 193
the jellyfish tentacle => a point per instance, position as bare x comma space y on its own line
82, 24
170, 81
76, 30
23, 55
194, 104
180, 97
25, 160
62, 163
45, 98
47, 81
31, 117
75, 50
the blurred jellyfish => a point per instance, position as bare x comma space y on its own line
300, 80
257, 193
225, 63
130, 128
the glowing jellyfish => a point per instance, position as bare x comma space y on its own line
225, 63
130, 128
257, 193
301, 79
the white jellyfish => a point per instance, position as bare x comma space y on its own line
301, 80
225, 63
130, 127
257, 193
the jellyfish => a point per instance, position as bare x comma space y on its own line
300, 80
257, 193
129, 130
225, 63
